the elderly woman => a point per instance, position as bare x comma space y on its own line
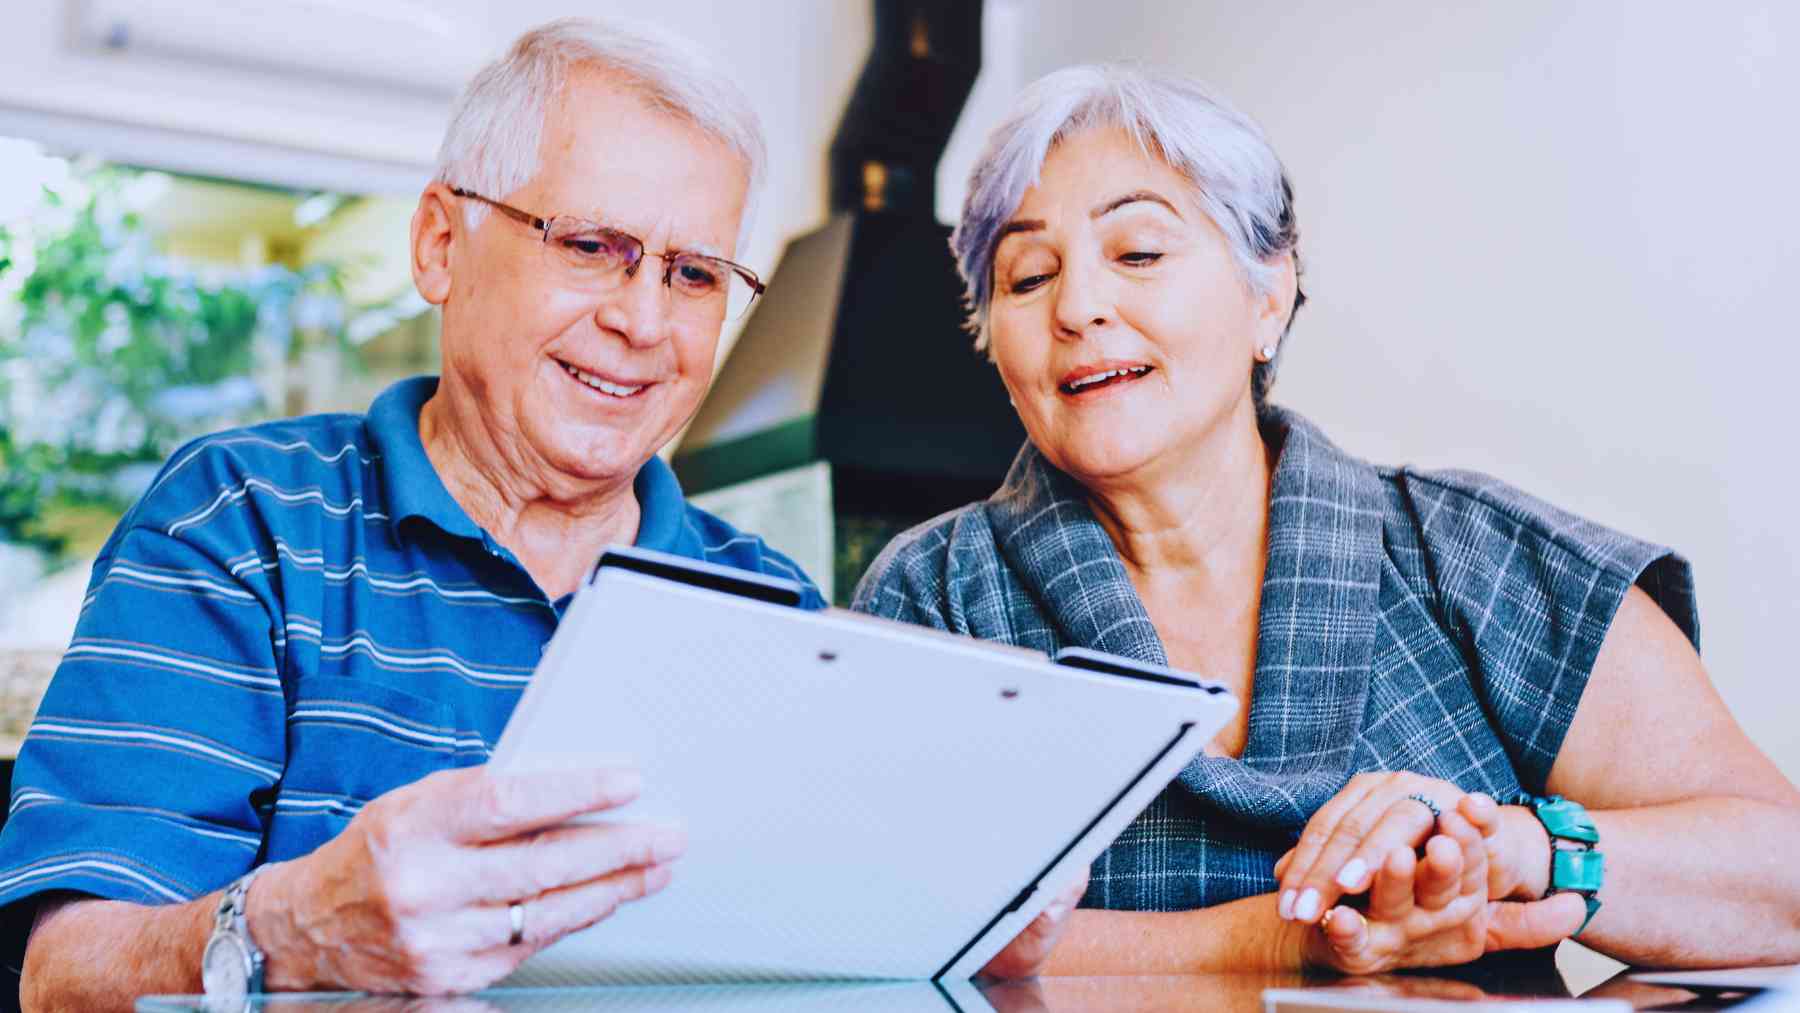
1423, 657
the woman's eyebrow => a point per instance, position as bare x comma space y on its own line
1018, 225
1134, 197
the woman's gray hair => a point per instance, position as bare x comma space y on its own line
1237, 179
493, 143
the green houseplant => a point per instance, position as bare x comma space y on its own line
112, 354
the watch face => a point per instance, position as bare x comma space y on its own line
225, 967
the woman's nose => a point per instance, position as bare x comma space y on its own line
1083, 299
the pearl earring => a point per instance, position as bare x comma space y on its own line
1268, 353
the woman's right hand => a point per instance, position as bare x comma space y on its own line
1434, 911
414, 895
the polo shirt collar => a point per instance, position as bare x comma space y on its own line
412, 484
662, 511
415, 490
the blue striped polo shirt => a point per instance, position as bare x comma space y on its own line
294, 619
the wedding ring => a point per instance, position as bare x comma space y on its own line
516, 911
1436, 813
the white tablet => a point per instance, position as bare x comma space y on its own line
863, 798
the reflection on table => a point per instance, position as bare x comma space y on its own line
1489, 981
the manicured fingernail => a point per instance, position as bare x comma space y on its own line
1307, 906
1285, 907
1352, 873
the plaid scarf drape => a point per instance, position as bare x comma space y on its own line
1439, 622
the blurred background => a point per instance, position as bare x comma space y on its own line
1553, 241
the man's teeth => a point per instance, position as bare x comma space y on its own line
604, 386
1089, 381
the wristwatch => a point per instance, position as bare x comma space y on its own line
1576, 864
232, 966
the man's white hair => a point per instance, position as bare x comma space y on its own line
493, 144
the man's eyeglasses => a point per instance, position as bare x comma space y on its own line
600, 257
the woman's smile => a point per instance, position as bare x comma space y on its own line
1087, 382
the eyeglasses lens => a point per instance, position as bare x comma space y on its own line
601, 257
593, 249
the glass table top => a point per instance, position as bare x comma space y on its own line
1501, 989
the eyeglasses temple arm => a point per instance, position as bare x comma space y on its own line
508, 210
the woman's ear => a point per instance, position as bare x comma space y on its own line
434, 232
1276, 307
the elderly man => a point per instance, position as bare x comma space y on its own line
262, 753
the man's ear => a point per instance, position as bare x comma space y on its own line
435, 231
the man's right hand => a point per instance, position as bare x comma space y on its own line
413, 896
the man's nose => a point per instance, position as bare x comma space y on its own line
641, 308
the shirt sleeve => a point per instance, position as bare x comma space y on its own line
1530, 592
145, 772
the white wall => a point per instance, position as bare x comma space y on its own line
1551, 241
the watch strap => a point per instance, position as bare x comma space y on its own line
1576, 863
1566, 820
231, 919
1577, 871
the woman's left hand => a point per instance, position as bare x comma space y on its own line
1374, 814
1433, 911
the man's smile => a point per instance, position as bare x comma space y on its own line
612, 387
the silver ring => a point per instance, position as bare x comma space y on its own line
1436, 813
516, 911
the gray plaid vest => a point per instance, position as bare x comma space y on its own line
1439, 622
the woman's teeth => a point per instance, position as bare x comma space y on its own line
1097, 379
603, 386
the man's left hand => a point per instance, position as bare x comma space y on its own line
1027, 954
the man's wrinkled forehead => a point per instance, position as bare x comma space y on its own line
613, 157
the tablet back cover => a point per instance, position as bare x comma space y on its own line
862, 799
